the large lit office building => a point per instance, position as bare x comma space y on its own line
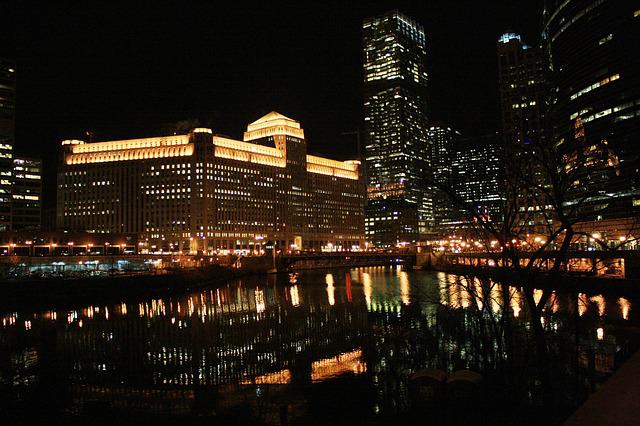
199, 192
595, 103
399, 207
7, 135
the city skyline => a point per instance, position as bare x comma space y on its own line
111, 73
384, 212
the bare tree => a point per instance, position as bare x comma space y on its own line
552, 190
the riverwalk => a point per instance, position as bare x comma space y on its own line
617, 402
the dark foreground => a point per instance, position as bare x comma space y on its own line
324, 347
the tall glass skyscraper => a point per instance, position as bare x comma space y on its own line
399, 208
7, 132
591, 47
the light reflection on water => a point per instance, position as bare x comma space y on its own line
373, 326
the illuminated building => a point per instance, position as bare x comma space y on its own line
443, 141
26, 193
595, 97
7, 135
20, 178
472, 169
478, 172
522, 90
399, 206
200, 192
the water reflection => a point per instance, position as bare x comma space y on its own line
218, 350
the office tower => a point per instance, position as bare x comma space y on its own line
522, 87
595, 102
523, 90
443, 141
199, 192
399, 207
26, 193
478, 171
7, 136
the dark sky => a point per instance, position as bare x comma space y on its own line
125, 70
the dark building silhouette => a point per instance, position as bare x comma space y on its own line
395, 121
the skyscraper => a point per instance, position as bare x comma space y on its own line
522, 89
26, 193
478, 167
7, 136
399, 207
444, 142
595, 102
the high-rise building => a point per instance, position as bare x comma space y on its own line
523, 91
199, 192
522, 87
7, 137
26, 193
444, 142
595, 98
478, 171
399, 207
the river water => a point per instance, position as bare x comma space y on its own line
319, 347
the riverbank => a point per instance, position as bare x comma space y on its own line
45, 293
60, 292
580, 283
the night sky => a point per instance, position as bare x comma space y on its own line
123, 71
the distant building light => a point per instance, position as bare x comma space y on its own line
507, 37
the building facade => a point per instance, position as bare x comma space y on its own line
20, 178
199, 192
478, 177
399, 207
26, 193
7, 137
595, 98
522, 87
444, 142
523, 91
